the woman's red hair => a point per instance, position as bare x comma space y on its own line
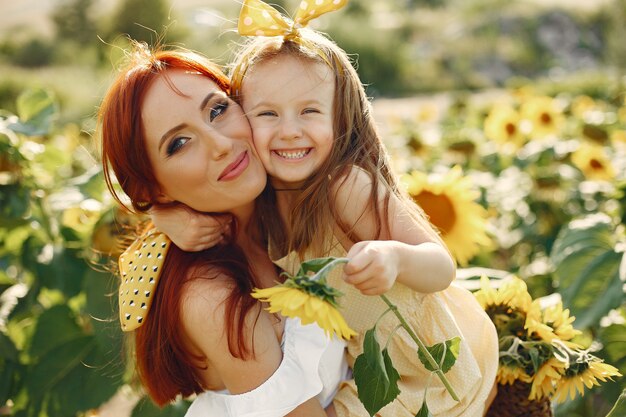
164, 364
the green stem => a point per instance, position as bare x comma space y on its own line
324, 271
422, 347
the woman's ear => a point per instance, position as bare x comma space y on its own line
164, 199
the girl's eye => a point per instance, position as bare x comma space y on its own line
218, 110
267, 113
310, 110
175, 145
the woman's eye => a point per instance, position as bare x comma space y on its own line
175, 144
217, 110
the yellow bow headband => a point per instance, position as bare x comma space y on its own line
140, 267
258, 18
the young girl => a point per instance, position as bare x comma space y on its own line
335, 195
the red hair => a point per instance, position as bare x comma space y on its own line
164, 363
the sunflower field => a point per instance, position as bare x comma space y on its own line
520, 167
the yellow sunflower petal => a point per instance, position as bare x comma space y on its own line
450, 203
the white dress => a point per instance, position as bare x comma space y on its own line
313, 365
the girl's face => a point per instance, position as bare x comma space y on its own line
200, 144
289, 103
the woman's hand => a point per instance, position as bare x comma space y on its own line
190, 230
373, 266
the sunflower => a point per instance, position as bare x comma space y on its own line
509, 374
512, 294
544, 115
583, 105
294, 300
543, 381
618, 136
593, 162
450, 204
581, 375
503, 125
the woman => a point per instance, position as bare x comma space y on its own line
203, 333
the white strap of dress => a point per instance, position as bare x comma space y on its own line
295, 381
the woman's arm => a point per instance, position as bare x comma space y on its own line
204, 322
408, 250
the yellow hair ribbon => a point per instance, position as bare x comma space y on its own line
258, 18
140, 268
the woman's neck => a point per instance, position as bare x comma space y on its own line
244, 216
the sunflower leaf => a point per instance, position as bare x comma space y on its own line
314, 265
444, 354
375, 377
423, 412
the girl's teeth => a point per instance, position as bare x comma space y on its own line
291, 155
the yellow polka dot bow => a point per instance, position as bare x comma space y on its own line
140, 267
258, 18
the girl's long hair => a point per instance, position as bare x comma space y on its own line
164, 364
356, 143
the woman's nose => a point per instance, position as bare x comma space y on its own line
220, 145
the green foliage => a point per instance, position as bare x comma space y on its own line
145, 408
588, 268
142, 20
60, 349
619, 409
445, 354
74, 23
374, 375
35, 52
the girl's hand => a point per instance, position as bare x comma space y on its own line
373, 266
190, 230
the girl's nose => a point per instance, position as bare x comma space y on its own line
290, 129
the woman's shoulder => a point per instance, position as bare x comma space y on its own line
203, 297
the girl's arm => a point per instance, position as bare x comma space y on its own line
204, 322
407, 251
190, 230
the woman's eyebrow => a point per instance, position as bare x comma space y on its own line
170, 133
206, 100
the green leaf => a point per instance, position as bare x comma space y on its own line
448, 351
56, 326
314, 265
619, 409
587, 268
36, 108
57, 363
423, 412
375, 377
146, 408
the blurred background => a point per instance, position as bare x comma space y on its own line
506, 119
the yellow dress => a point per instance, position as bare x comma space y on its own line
435, 318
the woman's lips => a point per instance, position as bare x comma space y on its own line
233, 170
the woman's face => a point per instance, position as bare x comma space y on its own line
200, 144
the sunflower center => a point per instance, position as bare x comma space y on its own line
510, 128
545, 118
439, 208
595, 164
